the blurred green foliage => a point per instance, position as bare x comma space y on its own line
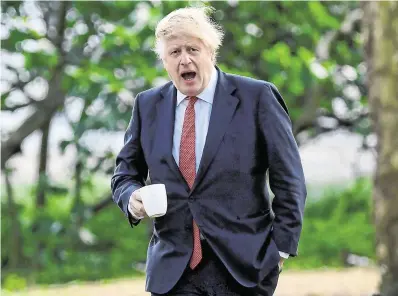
335, 224
106, 58
14, 282
110, 253
338, 223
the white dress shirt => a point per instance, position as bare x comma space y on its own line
203, 108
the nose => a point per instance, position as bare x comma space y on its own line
185, 59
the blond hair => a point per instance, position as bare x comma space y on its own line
190, 21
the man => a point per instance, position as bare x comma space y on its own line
211, 137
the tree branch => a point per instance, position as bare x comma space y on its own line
46, 108
347, 123
19, 106
105, 201
322, 50
19, 85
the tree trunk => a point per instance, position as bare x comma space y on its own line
381, 36
78, 205
41, 194
43, 182
15, 240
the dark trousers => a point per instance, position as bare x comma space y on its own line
211, 277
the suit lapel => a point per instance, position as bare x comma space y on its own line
224, 106
165, 128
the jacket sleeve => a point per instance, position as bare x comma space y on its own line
131, 169
286, 175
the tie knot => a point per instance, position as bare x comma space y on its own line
192, 100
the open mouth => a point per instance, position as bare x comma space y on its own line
188, 76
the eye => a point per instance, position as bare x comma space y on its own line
174, 52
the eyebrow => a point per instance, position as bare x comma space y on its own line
173, 48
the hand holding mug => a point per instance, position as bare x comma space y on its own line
136, 207
149, 201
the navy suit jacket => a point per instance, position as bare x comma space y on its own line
249, 135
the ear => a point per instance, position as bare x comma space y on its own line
213, 57
164, 62
212, 54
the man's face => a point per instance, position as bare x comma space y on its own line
189, 64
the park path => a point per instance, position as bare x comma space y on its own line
347, 282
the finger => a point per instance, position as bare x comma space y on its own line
137, 205
137, 195
134, 197
139, 208
137, 213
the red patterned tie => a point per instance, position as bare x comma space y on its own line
187, 165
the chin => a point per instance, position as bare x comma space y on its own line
191, 91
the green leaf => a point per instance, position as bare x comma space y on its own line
322, 16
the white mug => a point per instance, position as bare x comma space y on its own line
154, 199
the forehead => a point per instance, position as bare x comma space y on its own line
183, 40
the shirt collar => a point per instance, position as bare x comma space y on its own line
207, 94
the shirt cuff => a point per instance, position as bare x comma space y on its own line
284, 255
